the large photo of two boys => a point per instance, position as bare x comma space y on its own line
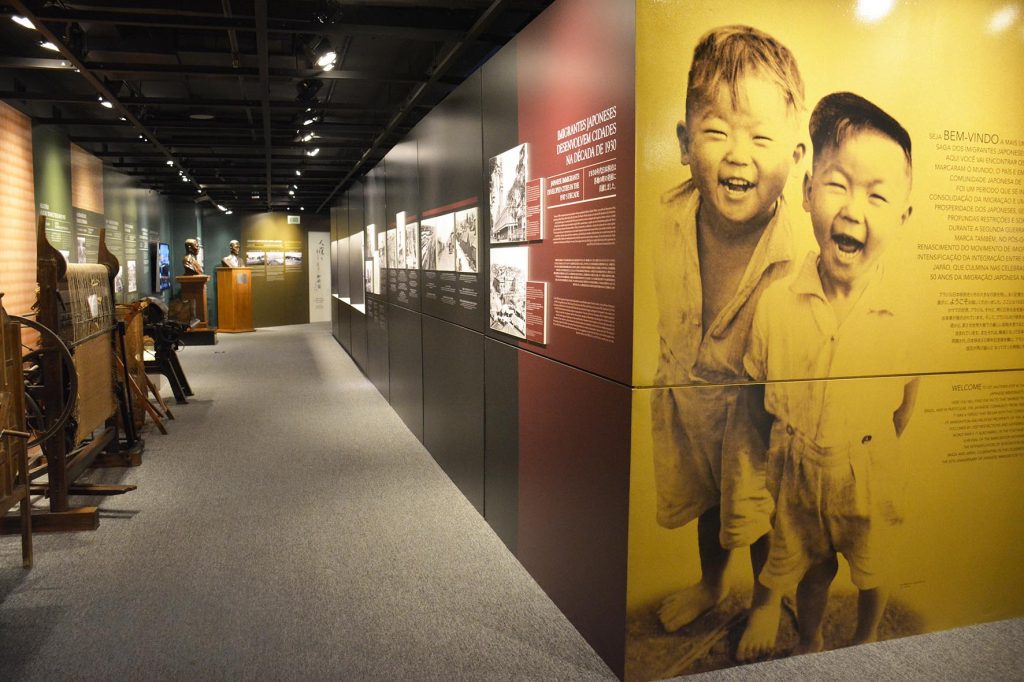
785, 331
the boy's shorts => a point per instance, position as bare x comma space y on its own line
831, 500
707, 455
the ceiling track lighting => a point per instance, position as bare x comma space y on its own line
105, 103
47, 45
327, 59
23, 21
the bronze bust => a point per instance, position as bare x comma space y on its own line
190, 261
232, 260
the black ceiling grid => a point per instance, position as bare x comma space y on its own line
228, 94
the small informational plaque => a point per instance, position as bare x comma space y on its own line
536, 312
535, 204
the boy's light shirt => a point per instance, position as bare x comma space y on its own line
687, 355
697, 434
796, 336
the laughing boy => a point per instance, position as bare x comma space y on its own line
834, 465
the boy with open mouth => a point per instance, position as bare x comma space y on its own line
834, 466
725, 237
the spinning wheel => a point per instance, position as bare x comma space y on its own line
38, 418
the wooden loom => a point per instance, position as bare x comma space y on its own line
76, 302
14, 488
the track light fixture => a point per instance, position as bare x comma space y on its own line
313, 152
307, 89
47, 45
327, 59
105, 103
23, 21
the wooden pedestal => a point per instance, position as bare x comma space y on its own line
193, 288
234, 300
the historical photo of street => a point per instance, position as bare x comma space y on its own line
509, 271
412, 248
507, 194
466, 236
437, 247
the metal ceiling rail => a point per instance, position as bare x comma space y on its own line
264, 68
184, 102
446, 63
95, 82
420, 25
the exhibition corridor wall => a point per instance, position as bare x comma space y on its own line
659, 267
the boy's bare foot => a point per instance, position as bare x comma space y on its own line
812, 647
758, 638
864, 639
687, 605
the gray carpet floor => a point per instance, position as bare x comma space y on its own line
290, 527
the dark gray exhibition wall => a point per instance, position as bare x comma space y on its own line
535, 433
453, 404
402, 197
451, 178
358, 350
501, 440
343, 330
405, 346
377, 345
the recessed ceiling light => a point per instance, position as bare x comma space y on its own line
23, 21
46, 44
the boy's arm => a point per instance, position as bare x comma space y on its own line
901, 417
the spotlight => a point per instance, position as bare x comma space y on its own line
307, 137
122, 118
327, 60
298, 172
302, 208
169, 162
105, 103
307, 89
311, 120
228, 212
221, 207
313, 152
46, 44
184, 178
23, 21
291, 192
